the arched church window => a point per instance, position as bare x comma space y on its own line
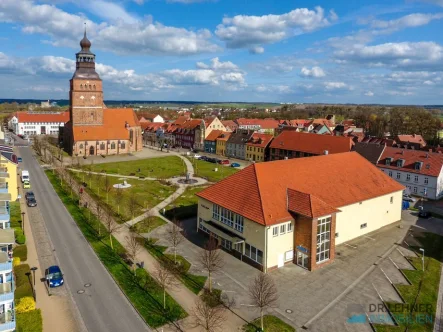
81, 86
93, 86
90, 87
81, 146
123, 145
102, 146
112, 145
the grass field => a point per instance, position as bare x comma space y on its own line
185, 206
270, 324
206, 170
143, 292
146, 193
147, 227
164, 167
421, 297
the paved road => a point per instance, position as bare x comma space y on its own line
103, 306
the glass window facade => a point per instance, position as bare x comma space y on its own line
254, 253
228, 217
323, 239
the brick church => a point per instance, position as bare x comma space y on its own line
94, 129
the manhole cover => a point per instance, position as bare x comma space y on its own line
289, 311
87, 285
81, 291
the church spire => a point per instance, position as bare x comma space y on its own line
85, 44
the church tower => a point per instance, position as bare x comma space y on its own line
86, 91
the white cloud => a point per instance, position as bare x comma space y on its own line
280, 89
123, 37
408, 21
257, 50
252, 32
369, 93
335, 85
313, 72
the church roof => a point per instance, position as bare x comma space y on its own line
114, 126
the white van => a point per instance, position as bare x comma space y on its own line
25, 176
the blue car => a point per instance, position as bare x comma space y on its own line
19, 159
235, 165
54, 276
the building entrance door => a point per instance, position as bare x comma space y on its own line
91, 150
43, 130
302, 259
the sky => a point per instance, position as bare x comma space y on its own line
291, 51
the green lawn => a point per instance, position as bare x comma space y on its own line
164, 167
270, 324
142, 291
147, 227
185, 206
30, 321
422, 295
147, 193
194, 282
206, 170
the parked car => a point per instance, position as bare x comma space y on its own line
204, 158
224, 162
19, 159
408, 198
31, 202
197, 156
29, 194
54, 276
26, 185
212, 160
235, 165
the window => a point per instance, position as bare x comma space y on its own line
398, 175
336, 234
426, 180
323, 239
283, 229
228, 217
416, 178
112, 145
254, 253
290, 227
81, 146
415, 190
122, 145
102, 146
363, 225
275, 231
390, 174
408, 177
392, 199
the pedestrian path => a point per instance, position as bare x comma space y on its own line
113, 175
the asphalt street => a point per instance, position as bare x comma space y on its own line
102, 305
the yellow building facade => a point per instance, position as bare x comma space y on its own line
11, 168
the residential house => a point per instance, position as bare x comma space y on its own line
230, 125
292, 144
265, 126
155, 118
379, 141
211, 141
290, 211
38, 123
321, 129
411, 141
221, 143
257, 147
420, 172
372, 152
190, 134
236, 144
8, 164
150, 132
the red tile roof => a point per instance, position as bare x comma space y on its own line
308, 205
311, 143
224, 136
59, 117
181, 119
432, 164
260, 140
114, 120
259, 191
416, 139
326, 122
263, 123
191, 124
213, 135
230, 124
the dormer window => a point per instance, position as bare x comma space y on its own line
400, 162
389, 161
418, 165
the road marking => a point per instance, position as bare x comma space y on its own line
354, 247
369, 237
418, 226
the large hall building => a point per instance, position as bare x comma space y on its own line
94, 129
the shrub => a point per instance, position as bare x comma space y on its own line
30, 321
20, 239
21, 252
25, 304
20, 274
15, 261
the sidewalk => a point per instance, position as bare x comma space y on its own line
438, 326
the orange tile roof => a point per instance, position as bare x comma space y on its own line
259, 191
224, 136
114, 120
417, 139
181, 119
59, 117
213, 135
260, 140
326, 122
229, 124
263, 123
432, 165
308, 205
311, 143
191, 124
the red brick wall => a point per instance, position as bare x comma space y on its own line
84, 94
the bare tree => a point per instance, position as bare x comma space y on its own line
174, 236
133, 247
165, 278
98, 181
108, 187
89, 176
263, 294
70, 180
99, 212
111, 227
211, 259
118, 198
132, 203
209, 318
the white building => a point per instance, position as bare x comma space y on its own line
38, 123
420, 172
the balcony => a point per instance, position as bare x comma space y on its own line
4, 174
7, 291
7, 321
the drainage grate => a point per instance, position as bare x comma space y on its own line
289, 311
81, 291
87, 285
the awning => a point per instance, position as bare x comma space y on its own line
222, 234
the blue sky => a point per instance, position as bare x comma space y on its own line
228, 50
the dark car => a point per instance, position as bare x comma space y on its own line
31, 202
204, 158
424, 214
19, 159
54, 276
29, 194
211, 160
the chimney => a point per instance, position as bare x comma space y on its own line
427, 155
325, 152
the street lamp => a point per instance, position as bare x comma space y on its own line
423, 258
23, 222
33, 269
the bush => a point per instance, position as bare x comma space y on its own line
21, 252
15, 261
30, 321
25, 304
21, 239
20, 274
